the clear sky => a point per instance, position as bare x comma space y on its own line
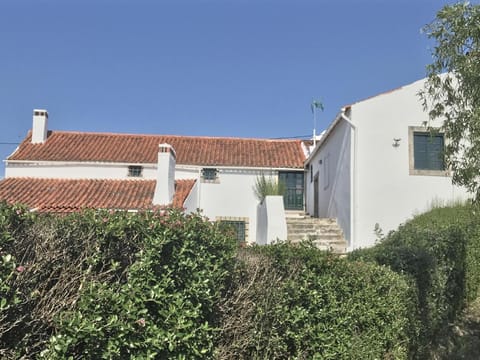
240, 68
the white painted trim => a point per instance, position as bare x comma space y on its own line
325, 135
76, 163
151, 165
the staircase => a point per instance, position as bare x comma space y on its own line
325, 233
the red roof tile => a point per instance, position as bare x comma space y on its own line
203, 151
66, 195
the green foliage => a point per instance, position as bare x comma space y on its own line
165, 307
296, 302
110, 284
161, 285
265, 186
440, 252
452, 91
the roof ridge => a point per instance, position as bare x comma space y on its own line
171, 135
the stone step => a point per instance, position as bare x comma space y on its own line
324, 233
308, 227
310, 221
301, 236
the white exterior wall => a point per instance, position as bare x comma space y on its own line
75, 170
333, 165
90, 170
232, 195
191, 202
387, 194
271, 222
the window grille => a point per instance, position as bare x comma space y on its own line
237, 227
135, 171
209, 174
428, 151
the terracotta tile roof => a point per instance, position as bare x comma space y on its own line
66, 195
125, 148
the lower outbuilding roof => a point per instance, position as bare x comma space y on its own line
71, 195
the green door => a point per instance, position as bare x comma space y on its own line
293, 198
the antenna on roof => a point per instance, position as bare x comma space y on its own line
314, 106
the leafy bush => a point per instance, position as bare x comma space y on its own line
110, 284
298, 302
165, 307
440, 252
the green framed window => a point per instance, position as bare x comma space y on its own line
135, 171
294, 183
237, 228
209, 174
428, 151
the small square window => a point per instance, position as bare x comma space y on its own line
209, 174
236, 227
135, 171
426, 152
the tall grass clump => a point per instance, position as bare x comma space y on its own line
265, 186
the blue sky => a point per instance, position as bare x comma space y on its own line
241, 68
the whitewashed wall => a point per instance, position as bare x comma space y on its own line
387, 193
380, 190
191, 202
271, 221
332, 164
75, 170
232, 196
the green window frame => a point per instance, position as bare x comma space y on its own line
135, 171
294, 183
428, 151
209, 174
238, 227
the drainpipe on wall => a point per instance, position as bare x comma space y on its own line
353, 176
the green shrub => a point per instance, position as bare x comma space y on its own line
440, 252
165, 307
296, 302
106, 284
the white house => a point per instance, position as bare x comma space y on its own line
65, 171
377, 165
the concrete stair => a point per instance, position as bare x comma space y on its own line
325, 233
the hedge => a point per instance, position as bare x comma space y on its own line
110, 285
296, 302
440, 252
163, 285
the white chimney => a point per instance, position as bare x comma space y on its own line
39, 128
165, 188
